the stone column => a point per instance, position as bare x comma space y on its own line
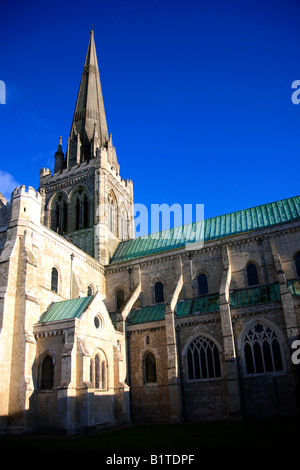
66, 393
172, 353
173, 373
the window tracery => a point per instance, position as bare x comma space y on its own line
262, 350
203, 359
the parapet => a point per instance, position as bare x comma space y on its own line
26, 204
45, 172
21, 191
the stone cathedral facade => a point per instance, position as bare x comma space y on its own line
98, 328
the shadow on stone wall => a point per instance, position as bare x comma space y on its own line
56, 412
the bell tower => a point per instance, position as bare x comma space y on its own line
85, 199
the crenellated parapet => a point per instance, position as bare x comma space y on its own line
26, 205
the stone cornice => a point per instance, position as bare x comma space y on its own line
71, 181
257, 309
192, 320
49, 333
141, 327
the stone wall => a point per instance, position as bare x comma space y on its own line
149, 401
230, 394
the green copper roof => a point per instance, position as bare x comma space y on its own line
267, 215
294, 286
146, 314
254, 295
66, 309
195, 306
210, 303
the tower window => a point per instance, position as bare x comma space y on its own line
65, 218
77, 225
149, 368
57, 216
54, 280
85, 209
122, 224
89, 291
47, 373
159, 292
252, 275
60, 215
202, 284
111, 214
81, 210
203, 359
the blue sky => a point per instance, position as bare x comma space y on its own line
197, 94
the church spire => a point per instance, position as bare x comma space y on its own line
89, 115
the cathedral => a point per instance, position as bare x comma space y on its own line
101, 329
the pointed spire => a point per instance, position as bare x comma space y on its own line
89, 111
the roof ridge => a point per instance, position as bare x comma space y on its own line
143, 237
241, 221
65, 309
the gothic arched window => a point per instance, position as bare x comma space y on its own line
59, 218
203, 359
85, 208
252, 275
119, 299
111, 214
47, 373
297, 263
103, 375
122, 224
54, 280
261, 349
89, 291
158, 292
149, 368
56, 225
81, 210
65, 217
77, 214
202, 284
98, 371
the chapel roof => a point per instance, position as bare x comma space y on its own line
66, 309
